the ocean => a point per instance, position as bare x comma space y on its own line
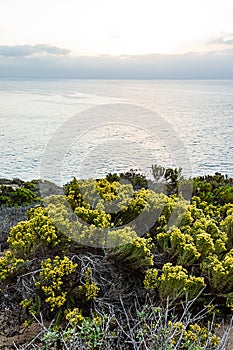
58, 129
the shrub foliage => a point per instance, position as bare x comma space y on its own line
108, 239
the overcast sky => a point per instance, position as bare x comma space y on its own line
117, 39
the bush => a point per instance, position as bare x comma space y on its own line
174, 282
16, 196
86, 261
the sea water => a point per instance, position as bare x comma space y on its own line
58, 129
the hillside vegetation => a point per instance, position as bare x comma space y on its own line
121, 262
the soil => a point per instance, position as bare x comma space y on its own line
13, 334
18, 336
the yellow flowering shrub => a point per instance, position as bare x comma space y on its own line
95, 217
74, 195
227, 226
173, 282
52, 277
89, 288
90, 193
136, 254
204, 243
33, 234
208, 237
59, 290
131, 228
74, 317
179, 245
9, 264
219, 272
151, 280
107, 191
192, 335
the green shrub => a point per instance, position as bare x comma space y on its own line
11, 196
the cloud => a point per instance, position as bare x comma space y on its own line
226, 39
31, 50
114, 36
211, 65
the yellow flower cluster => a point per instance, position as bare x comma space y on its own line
151, 279
74, 317
90, 288
9, 264
197, 237
220, 272
52, 278
55, 281
194, 334
25, 237
137, 253
180, 245
107, 190
227, 226
173, 282
97, 217
26, 303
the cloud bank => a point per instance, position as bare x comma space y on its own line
31, 50
44, 61
223, 40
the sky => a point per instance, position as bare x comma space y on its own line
117, 39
